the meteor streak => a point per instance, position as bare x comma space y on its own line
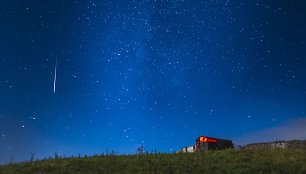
54, 82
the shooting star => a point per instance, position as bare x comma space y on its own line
54, 82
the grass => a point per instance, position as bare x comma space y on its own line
258, 161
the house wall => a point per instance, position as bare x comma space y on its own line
191, 148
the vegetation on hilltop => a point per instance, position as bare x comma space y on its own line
224, 161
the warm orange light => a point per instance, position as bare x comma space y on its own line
207, 140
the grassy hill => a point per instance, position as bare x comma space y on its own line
226, 161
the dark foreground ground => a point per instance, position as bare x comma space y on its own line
276, 161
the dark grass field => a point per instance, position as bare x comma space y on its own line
258, 161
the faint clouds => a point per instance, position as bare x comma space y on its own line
294, 129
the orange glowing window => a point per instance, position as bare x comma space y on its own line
207, 140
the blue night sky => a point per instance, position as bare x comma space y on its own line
148, 72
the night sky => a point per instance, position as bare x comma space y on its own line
148, 72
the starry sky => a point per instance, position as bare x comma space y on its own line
157, 73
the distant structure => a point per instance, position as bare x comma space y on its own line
204, 143
278, 144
